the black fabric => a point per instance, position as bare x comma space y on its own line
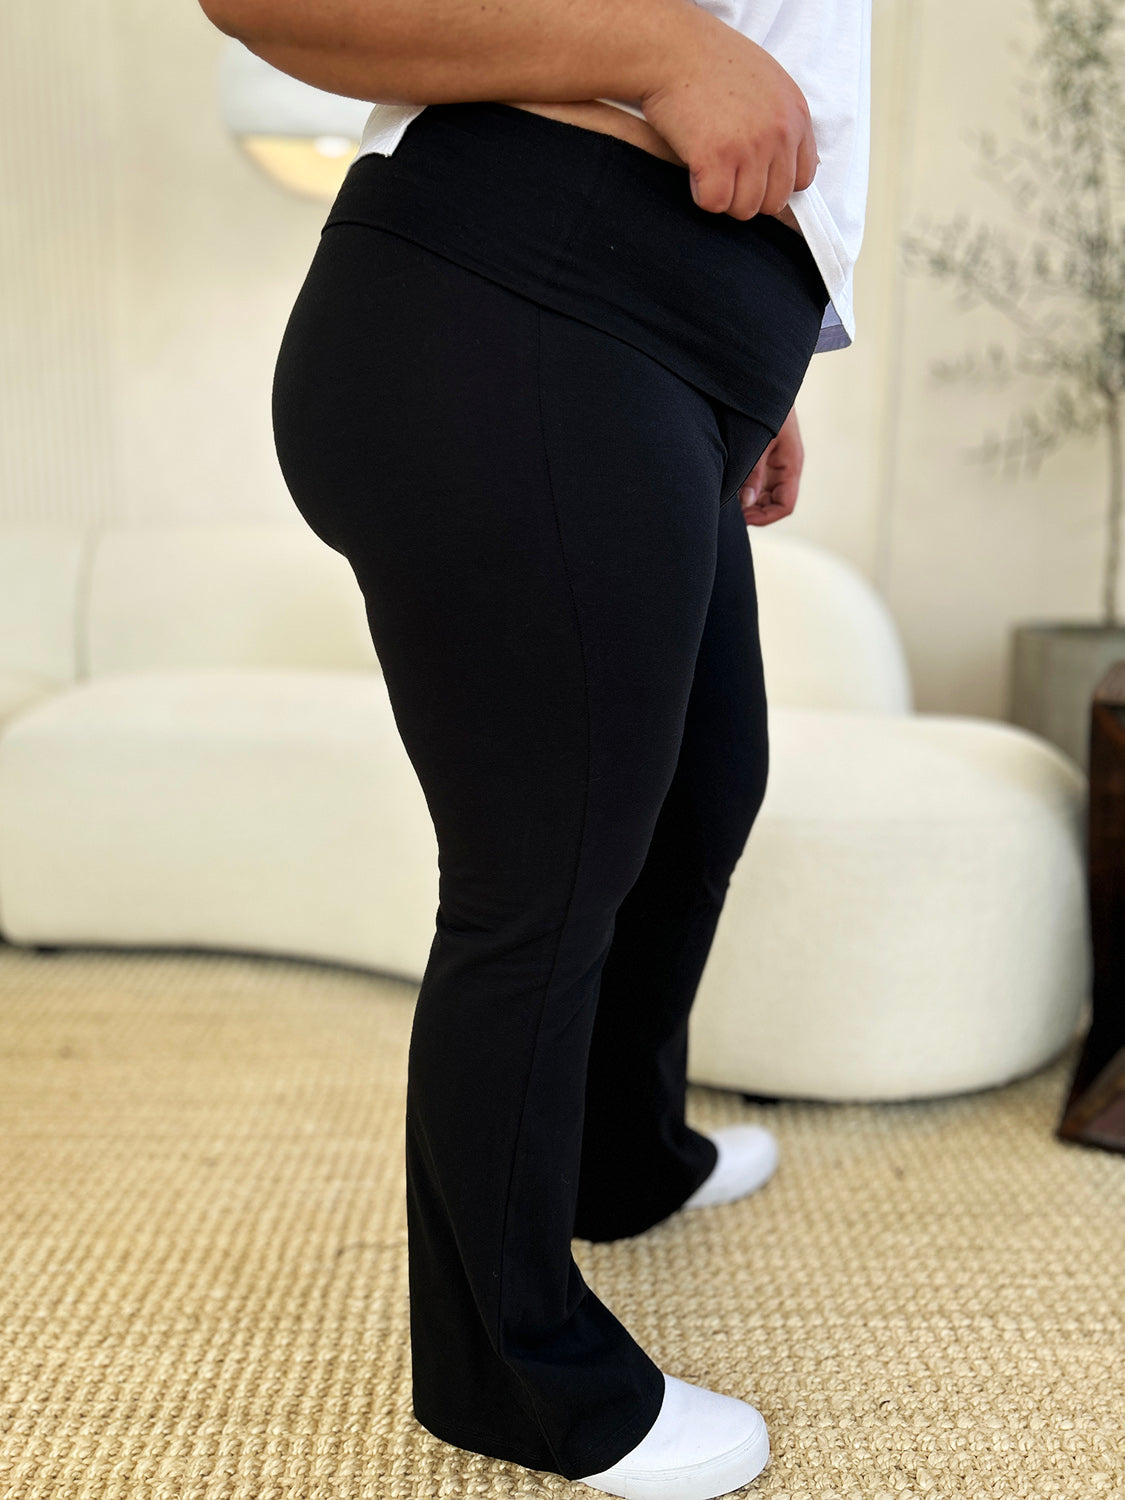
604, 231
558, 579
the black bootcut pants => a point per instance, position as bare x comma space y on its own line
519, 390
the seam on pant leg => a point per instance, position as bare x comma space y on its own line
578, 857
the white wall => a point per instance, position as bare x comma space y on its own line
960, 552
147, 270
153, 264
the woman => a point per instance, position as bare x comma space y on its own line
539, 377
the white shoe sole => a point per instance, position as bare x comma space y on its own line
719, 1476
703, 1481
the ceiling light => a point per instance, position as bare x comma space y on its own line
302, 137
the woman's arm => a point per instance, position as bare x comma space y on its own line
726, 107
438, 51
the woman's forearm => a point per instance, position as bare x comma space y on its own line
445, 51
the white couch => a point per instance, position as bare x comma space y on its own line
197, 751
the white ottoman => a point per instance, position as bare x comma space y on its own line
909, 917
271, 810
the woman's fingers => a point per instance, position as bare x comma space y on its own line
770, 490
729, 110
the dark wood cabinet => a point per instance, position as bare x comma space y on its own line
1094, 1113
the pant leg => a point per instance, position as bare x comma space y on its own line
531, 510
640, 1159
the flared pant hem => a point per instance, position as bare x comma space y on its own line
603, 1455
623, 1229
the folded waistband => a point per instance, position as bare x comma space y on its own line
602, 230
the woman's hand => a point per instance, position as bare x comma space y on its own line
734, 116
771, 490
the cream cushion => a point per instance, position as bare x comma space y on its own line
222, 594
268, 810
908, 917
828, 639
42, 571
18, 690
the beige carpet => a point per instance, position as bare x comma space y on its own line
203, 1263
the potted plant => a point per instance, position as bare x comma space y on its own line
1064, 293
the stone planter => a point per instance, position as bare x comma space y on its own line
1055, 668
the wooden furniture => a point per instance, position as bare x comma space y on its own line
1094, 1114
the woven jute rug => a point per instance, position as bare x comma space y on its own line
203, 1262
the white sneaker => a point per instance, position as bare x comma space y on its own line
747, 1159
702, 1445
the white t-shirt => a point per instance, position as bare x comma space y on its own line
825, 47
